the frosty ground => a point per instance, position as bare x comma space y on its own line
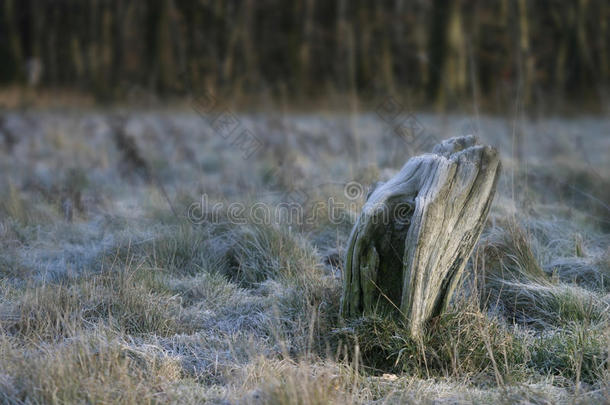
113, 291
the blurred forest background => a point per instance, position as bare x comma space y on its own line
549, 54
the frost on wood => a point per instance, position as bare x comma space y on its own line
416, 232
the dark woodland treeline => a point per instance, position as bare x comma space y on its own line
435, 51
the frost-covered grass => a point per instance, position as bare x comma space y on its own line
110, 295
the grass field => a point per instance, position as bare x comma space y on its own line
143, 260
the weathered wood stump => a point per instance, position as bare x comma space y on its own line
410, 245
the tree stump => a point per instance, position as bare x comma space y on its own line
415, 234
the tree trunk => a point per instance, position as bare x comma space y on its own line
416, 232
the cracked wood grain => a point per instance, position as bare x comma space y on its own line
410, 245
